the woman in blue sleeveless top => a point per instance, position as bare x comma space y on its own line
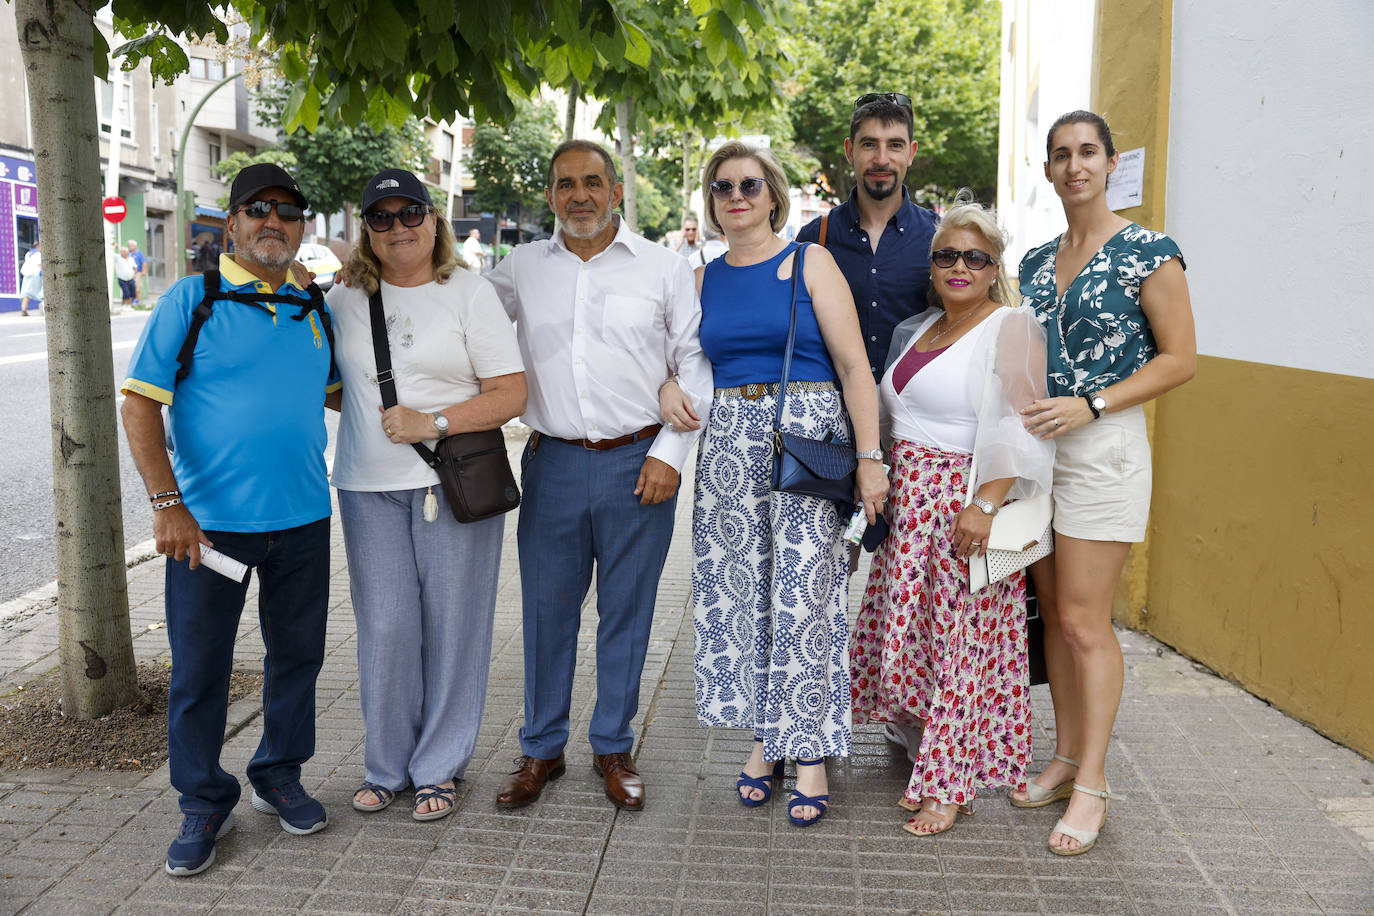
770, 572
1114, 304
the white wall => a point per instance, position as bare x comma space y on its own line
1047, 49
1271, 178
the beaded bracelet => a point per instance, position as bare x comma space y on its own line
167, 503
164, 494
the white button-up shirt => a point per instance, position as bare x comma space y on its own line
599, 337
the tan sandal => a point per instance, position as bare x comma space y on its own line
940, 809
1037, 796
1087, 839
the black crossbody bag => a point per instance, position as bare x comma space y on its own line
473, 468
810, 467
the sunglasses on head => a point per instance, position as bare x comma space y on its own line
259, 209
896, 98
973, 258
411, 216
722, 188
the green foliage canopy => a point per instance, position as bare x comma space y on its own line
945, 54
509, 163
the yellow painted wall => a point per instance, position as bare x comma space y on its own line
1130, 88
1261, 562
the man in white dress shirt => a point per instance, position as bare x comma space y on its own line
603, 318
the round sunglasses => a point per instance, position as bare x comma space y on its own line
722, 188
973, 258
383, 220
259, 209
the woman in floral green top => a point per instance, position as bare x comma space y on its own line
1113, 301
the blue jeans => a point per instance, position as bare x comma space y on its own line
578, 510
424, 594
203, 610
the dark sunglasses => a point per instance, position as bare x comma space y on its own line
722, 188
411, 216
973, 258
894, 97
259, 209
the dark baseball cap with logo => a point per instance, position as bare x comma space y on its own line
255, 179
394, 183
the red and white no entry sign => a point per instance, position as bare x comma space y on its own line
114, 209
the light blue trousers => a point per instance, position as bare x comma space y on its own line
424, 594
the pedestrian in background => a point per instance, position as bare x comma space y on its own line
31, 274
140, 271
423, 584
690, 243
1114, 303
124, 273
768, 582
474, 259
926, 651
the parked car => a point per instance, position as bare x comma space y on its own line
322, 261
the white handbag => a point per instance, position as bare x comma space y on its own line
1022, 532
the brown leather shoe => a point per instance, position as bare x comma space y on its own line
527, 780
623, 785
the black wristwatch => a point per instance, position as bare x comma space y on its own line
1096, 403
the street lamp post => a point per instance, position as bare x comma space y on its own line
180, 222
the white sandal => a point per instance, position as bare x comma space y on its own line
1037, 796
1087, 839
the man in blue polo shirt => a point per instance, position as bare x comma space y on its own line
879, 238
246, 477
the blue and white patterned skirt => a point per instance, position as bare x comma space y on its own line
768, 584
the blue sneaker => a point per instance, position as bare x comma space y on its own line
298, 813
193, 850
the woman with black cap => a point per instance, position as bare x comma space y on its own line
423, 584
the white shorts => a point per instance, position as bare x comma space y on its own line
1102, 479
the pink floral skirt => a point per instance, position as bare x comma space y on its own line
926, 652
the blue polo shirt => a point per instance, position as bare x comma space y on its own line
889, 285
248, 422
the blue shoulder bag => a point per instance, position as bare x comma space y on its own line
809, 467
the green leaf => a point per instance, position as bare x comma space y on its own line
292, 67
581, 59
291, 113
100, 54
637, 45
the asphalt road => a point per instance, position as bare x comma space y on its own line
28, 551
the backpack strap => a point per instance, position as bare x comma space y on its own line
213, 294
825, 219
198, 319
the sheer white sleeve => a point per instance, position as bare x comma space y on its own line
1010, 375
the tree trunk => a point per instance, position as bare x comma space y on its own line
687, 173
328, 229
94, 643
625, 145
570, 114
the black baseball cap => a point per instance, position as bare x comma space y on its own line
395, 183
257, 178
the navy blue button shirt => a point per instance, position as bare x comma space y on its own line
889, 285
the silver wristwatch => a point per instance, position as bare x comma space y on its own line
984, 505
876, 454
441, 423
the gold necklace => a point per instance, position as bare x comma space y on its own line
949, 327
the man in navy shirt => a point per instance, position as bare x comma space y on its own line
880, 239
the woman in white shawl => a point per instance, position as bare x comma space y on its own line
927, 653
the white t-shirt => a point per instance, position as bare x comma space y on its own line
472, 254
124, 267
443, 339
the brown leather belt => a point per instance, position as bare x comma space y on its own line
602, 445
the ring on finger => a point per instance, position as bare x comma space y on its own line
1056, 422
